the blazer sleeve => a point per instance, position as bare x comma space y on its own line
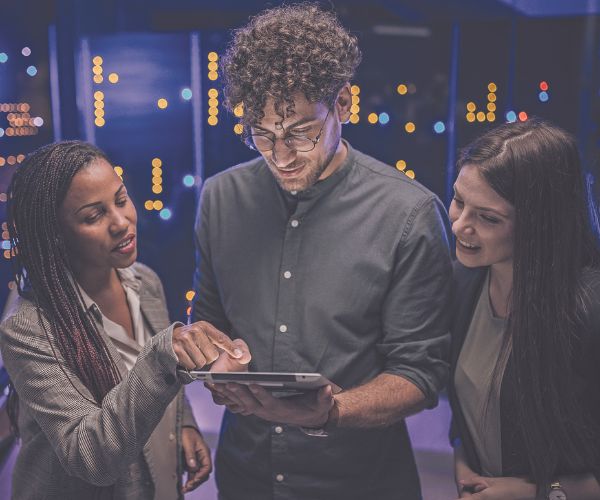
94, 442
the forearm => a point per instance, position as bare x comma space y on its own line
381, 402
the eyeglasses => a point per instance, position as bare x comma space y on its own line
299, 143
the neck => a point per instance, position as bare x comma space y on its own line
97, 281
501, 280
336, 161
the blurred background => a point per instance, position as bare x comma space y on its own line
142, 80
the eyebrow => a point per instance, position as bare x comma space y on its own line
89, 205
301, 121
483, 209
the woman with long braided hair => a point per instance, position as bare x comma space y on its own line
96, 394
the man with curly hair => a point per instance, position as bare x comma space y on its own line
322, 259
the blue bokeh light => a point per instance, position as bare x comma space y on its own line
188, 180
186, 94
5, 245
384, 118
511, 117
543, 96
1, 132
439, 127
3, 57
165, 214
31, 70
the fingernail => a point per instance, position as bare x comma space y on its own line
237, 353
192, 462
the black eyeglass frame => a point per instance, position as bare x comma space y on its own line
248, 140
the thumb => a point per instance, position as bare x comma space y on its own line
325, 396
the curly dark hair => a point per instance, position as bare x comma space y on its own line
286, 50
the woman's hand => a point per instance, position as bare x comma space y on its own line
198, 344
196, 456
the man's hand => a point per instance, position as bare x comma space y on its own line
499, 488
306, 410
198, 344
197, 461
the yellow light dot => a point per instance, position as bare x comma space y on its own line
355, 99
491, 106
480, 116
99, 122
213, 111
2, 161
213, 102
355, 90
471, 106
190, 295
213, 75
401, 165
213, 66
97, 60
213, 93
188, 311
98, 95
119, 170
162, 103
113, 78
157, 180
372, 118
148, 205
239, 110
157, 205
156, 162
157, 189
97, 70
491, 117
410, 127
238, 128
99, 104
213, 120
492, 97
213, 56
7, 254
492, 87
354, 119
20, 158
99, 113
156, 171
471, 117
410, 173
402, 89
355, 108
98, 79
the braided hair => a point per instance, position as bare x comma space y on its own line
42, 270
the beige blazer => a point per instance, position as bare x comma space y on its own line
69, 443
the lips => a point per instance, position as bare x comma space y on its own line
463, 245
289, 172
126, 245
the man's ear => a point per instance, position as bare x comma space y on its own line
344, 102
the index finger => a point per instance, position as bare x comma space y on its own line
221, 340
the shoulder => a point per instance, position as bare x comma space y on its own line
390, 181
23, 319
243, 172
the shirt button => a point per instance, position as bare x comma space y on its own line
287, 275
294, 223
279, 477
278, 429
171, 436
294, 192
283, 328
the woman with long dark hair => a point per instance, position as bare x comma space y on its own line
526, 329
89, 350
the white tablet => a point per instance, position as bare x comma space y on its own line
279, 383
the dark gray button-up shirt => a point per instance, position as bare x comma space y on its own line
348, 278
